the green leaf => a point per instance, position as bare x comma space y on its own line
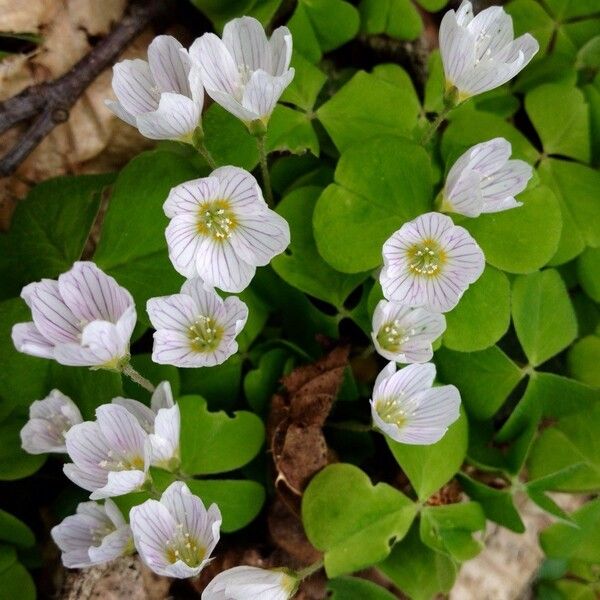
214, 442
498, 505
88, 389
560, 115
432, 5
569, 9
578, 543
573, 439
417, 570
301, 265
559, 396
396, 18
529, 17
292, 131
15, 463
482, 316
353, 588
49, 230
16, 582
588, 272
485, 378
239, 501
576, 186
448, 529
306, 85
132, 246
228, 140
220, 12
583, 360
218, 385
468, 128
523, 239
366, 107
258, 314
351, 520
430, 467
380, 184
319, 26
543, 315
261, 383
22, 377
14, 531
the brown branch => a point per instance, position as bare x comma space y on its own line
52, 101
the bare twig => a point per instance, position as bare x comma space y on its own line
49, 103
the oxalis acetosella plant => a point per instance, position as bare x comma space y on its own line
283, 354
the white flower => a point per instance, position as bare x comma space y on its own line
162, 422
221, 229
110, 456
245, 73
96, 534
175, 537
251, 583
163, 97
195, 328
430, 262
404, 334
408, 409
49, 421
83, 319
480, 53
483, 180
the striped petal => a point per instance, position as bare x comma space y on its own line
184, 243
120, 483
134, 87
281, 50
246, 41
176, 118
169, 66
241, 190
263, 92
29, 340
187, 197
165, 439
122, 431
218, 69
177, 312
220, 266
162, 397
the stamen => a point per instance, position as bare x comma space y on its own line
426, 258
216, 219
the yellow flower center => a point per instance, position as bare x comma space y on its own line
426, 258
182, 546
389, 412
391, 336
205, 334
216, 219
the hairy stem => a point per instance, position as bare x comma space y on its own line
139, 379
308, 571
206, 155
433, 127
264, 167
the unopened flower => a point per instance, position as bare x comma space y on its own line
404, 334
484, 180
430, 262
480, 53
83, 319
408, 409
175, 537
221, 229
244, 72
163, 97
162, 422
111, 455
251, 583
195, 328
96, 534
49, 421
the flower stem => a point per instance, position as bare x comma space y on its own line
308, 571
264, 167
206, 155
139, 379
433, 127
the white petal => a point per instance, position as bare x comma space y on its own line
93, 295
231, 104
281, 50
87, 447
384, 374
113, 545
187, 197
258, 238
250, 583
464, 195
263, 91
465, 260
246, 41
134, 86
184, 243
162, 397
39, 437
102, 340
117, 109
120, 483
165, 439
174, 348
143, 414
218, 70
240, 189
509, 181
236, 314
456, 47
52, 317
408, 381
492, 29
176, 118
220, 266
126, 324
177, 312
206, 300
121, 430
28, 339
169, 65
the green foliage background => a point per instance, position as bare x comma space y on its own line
523, 345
